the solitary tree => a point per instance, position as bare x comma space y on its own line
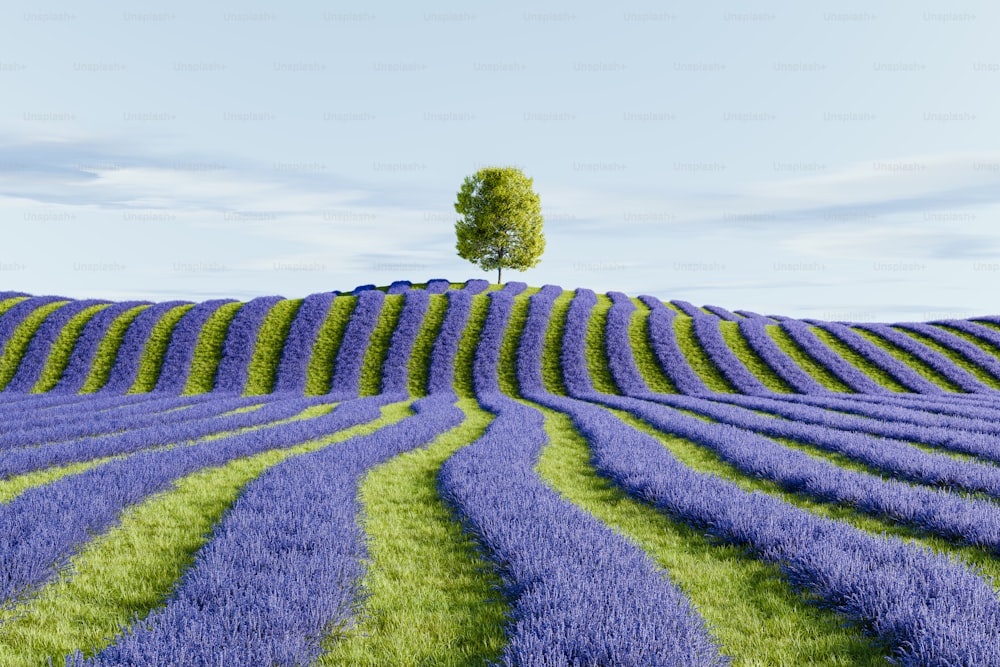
501, 224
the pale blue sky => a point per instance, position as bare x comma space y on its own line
836, 160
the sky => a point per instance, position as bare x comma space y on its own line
830, 160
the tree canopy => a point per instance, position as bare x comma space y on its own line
501, 224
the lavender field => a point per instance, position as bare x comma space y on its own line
466, 474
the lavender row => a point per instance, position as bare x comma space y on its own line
722, 313
706, 329
240, 343
581, 594
129, 358
845, 371
936, 361
161, 411
900, 372
12, 319
664, 344
177, 359
273, 578
396, 369
399, 287
28, 459
437, 286
32, 364
351, 355
45, 524
754, 331
973, 353
297, 351
441, 370
81, 359
942, 513
932, 611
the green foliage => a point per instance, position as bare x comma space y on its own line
62, 348
324, 352
501, 224
755, 364
208, 350
370, 382
270, 343
18, 343
7, 304
155, 348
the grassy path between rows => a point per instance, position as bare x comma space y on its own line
433, 600
752, 611
131, 569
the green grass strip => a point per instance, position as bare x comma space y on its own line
704, 460
466, 352
552, 373
132, 568
806, 362
18, 343
271, 341
370, 382
642, 350
420, 358
433, 600
755, 364
208, 350
154, 349
107, 350
698, 358
751, 609
910, 360
874, 372
507, 365
324, 352
62, 348
954, 356
7, 304
597, 354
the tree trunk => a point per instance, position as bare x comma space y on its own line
499, 269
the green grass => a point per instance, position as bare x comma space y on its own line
208, 350
755, 364
378, 345
751, 609
597, 358
703, 459
874, 372
131, 568
507, 365
270, 343
7, 304
324, 352
433, 600
806, 362
911, 360
955, 357
155, 348
107, 351
466, 349
420, 358
18, 343
551, 353
642, 350
62, 348
697, 358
